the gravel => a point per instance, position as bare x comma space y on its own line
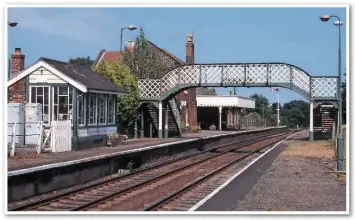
297, 183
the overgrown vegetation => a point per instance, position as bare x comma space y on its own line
143, 61
127, 105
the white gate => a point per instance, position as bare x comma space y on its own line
61, 136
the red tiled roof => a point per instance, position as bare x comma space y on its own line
114, 55
174, 57
111, 56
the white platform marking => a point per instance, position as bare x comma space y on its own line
197, 205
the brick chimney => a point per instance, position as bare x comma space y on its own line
17, 61
17, 92
190, 52
192, 102
130, 46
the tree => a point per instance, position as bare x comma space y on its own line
261, 105
295, 112
343, 97
127, 105
81, 61
274, 108
143, 61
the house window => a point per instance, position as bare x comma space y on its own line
40, 94
62, 103
92, 108
111, 109
81, 109
102, 108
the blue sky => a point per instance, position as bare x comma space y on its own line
221, 35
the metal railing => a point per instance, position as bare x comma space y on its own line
40, 143
176, 113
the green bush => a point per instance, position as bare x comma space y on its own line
195, 129
183, 127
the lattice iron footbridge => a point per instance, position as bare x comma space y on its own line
313, 88
240, 75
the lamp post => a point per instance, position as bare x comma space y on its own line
131, 28
278, 105
11, 24
338, 23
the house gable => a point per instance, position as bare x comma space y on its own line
50, 72
42, 75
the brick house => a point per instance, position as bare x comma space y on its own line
170, 61
188, 99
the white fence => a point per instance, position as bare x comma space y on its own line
56, 139
61, 136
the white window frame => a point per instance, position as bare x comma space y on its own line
105, 109
83, 95
53, 104
96, 109
114, 109
49, 101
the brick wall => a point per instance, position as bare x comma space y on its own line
190, 97
17, 92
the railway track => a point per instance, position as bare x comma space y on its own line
139, 185
178, 200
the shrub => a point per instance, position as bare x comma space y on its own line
212, 127
195, 129
183, 127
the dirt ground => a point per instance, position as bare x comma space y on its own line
302, 178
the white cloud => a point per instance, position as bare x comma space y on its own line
70, 22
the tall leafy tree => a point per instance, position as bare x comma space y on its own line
262, 106
295, 112
81, 61
144, 61
274, 107
127, 105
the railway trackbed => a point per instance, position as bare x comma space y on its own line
155, 187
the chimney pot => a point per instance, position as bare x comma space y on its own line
130, 45
17, 61
189, 38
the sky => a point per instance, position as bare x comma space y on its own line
221, 35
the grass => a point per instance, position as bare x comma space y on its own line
316, 149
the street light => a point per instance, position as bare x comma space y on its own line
12, 23
131, 28
278, 105
338, 23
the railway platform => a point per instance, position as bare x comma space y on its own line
53, 171
294, 176
27, 158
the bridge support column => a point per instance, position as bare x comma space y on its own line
136, 129
237, 116
220, 117
229, 117
166, 127
311, 137
160, 127
142, 124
